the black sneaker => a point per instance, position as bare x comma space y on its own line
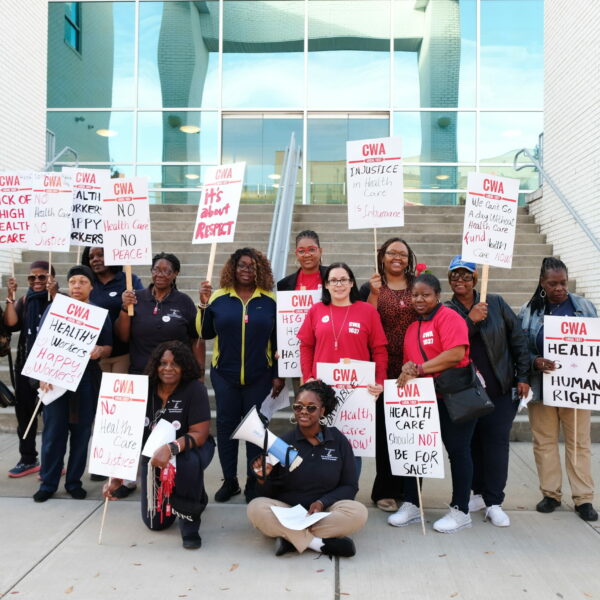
342, 546
282, 546
77, 493
21, 469
230, 488
94, 477
547, 505
587, 512
191, 542
42, 496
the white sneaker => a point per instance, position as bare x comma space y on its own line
453, 521
476, 503
497, 516
408, 513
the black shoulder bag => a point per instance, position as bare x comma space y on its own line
461, 390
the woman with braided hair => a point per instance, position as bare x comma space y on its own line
552, 297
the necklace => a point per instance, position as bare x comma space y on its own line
157, 302
336, 336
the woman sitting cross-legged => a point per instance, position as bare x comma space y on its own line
325, 481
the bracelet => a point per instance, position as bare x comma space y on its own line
124, 308
202, 306
174, 447
10, 301
420, 371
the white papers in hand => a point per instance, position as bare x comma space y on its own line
271, 405
297, 517
525, 400
51, 395
162, 434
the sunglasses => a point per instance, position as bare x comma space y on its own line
32, 278
310, 408
456, 275
311, 250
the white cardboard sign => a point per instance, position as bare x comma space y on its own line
490, 220
292, 308
355, 412
126, 220
412, 424
62, 348
219, 204
573, 343
86, 216
119, 425
16, 194
50, 229
375, 183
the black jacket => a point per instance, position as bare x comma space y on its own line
502, 337
288, 284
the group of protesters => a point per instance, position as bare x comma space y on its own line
395, 320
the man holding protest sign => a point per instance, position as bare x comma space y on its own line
552, 297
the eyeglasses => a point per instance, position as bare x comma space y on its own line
390, 254
42, 278
456, 275
336, 282
165, 272
309, 250
310, 408
246, 267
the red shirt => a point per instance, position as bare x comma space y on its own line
440, 332
359, 335
308, 281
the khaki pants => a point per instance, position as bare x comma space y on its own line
346, 516
115, 364
545, 426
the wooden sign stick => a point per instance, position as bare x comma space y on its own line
375, 244
49, 271
105, 505
485, 273
78, 255
211, 261
33, 416
129, 284
421, 506
575, 438
12, 263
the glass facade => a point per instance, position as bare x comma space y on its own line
165, 89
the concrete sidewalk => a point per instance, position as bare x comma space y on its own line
50, 550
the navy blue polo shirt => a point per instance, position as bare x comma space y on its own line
174, 318
108, 295
327, 472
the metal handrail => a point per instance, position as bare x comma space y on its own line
63, 151
281, 226
544, 176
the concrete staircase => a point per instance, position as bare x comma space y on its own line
434, 233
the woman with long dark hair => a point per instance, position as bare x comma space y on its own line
552, 297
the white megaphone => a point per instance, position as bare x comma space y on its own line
252, 429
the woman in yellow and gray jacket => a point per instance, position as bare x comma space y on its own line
241, 316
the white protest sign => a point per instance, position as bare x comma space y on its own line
375, 183
62, 347
16, 193
119, 426
412, 424
292, 308
219, 204
573, 343
86, 216
355, 412
50, 228
490, 220
126, 219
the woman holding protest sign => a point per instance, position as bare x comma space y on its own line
438, 342
72, 413
310, 274
24, 315
176, 395
552, 297
325, 481
162, 313
390, 291
241, 316
499, 351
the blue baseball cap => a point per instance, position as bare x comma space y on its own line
458, 263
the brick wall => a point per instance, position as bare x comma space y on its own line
23, 35
572, 136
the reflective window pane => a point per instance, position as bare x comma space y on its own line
434, 198
178, 54
434, 54
261, 143
436, 178
168, 197
512, 47
433, 136
100, 75
327, 137
95, 136
172, 176
173, 136
349, 54
263, 61
502, 135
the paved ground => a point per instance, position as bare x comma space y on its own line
51, 551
